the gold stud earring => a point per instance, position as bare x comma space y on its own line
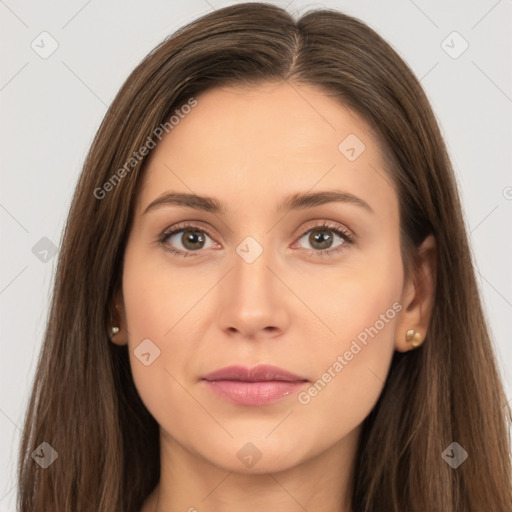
413, 337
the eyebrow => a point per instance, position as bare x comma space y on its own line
298, 201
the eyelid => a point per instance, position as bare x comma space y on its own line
188, 224
330, 224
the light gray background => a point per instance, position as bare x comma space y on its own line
51, 109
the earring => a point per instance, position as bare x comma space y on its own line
114, 330
414, 337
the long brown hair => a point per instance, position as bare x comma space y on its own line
84, 402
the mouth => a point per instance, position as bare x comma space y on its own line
263, 384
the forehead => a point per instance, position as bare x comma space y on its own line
252, 145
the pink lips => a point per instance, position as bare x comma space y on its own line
260, 385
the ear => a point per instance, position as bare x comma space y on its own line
118, 319
418, 295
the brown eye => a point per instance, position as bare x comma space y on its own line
192, 239
325, 239
320, 238
185, 240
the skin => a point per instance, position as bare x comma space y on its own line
251, 148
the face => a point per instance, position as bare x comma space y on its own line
312, 287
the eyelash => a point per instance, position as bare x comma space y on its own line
348, 238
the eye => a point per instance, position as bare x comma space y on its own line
192, 239
322, 236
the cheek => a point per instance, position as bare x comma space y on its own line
156, 304
352, 364
352, 371
157, 298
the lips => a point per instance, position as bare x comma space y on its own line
259, 373
260, 385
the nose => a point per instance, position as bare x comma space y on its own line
253, 300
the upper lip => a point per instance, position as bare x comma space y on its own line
260, 373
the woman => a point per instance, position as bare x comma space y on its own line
265, 296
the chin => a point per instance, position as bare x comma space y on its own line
256, 455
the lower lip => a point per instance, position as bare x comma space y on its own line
254, 393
